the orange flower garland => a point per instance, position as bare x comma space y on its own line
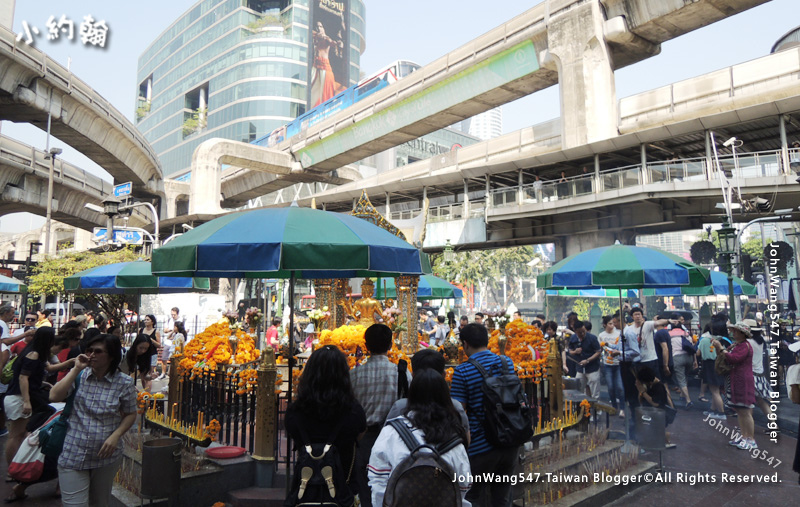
211, 347
586, 406
212, 429
520, 339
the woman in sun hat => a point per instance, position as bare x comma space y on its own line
740, 383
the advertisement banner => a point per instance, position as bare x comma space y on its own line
329, 50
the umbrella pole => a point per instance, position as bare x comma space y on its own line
622, 361
291, 383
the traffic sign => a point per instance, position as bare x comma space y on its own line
123, 189
124, 236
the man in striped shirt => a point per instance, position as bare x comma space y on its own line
466, 388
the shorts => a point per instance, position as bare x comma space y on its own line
683, 364
710, 376
762, 386
13, 405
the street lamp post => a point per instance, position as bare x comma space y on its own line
110, 209
52, 156
727, 243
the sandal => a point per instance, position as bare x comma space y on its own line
703, 399
14, 496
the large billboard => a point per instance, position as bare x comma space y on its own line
329, 46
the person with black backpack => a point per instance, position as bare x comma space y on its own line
498, 425
419, 458
325, 421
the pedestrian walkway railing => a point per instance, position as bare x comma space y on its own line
743, 166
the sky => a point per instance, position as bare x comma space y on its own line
415, 30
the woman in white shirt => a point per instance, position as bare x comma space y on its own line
433, 420
761, 381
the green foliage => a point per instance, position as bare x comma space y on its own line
265, 20
142, 110
196, 122
487, 269
582, 307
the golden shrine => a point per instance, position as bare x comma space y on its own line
367, 310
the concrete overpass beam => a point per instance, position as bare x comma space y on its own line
578, 243
207, 163
577, 44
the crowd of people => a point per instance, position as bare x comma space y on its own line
86, 363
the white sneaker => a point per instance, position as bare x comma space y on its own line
622, 413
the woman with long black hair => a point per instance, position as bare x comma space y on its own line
140, 361
433, 420
325, 402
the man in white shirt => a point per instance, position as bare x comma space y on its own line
642, 331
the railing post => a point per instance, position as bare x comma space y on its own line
266, 420
643, 155
520, 191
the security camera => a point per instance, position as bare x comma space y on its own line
729, 142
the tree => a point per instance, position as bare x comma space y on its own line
488, 269
48, 276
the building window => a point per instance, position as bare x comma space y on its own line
195, 113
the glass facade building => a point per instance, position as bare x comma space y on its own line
235, 69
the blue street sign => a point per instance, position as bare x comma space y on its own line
123, 189
120, 235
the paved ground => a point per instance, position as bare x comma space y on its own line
701, 449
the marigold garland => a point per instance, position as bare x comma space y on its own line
211, 348
349, 339
586, 406
520, 339
212, 429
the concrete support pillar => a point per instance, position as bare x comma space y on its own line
643, 158
488, 193
201, 117
597, 181
784, 145
466, 199
585, 74
520, 191
709, 156
149, 93
388, 213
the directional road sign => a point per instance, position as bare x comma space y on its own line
123, 189
124, 236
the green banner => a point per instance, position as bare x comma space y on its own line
496, 71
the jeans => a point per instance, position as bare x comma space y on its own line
614, 382
496, 461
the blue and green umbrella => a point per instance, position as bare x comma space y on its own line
623, 267
593, 293
717, 287
430, 287
131, 278
11, 285
287, 243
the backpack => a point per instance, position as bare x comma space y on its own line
423, 478
319, 477
507, 417
8, 371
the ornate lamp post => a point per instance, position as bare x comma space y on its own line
727, 245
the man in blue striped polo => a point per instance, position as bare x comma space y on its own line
466, 388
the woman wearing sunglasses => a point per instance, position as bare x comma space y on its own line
103, 410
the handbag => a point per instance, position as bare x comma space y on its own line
688, 346
721, 366
52, 435
28, 463
669, 414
